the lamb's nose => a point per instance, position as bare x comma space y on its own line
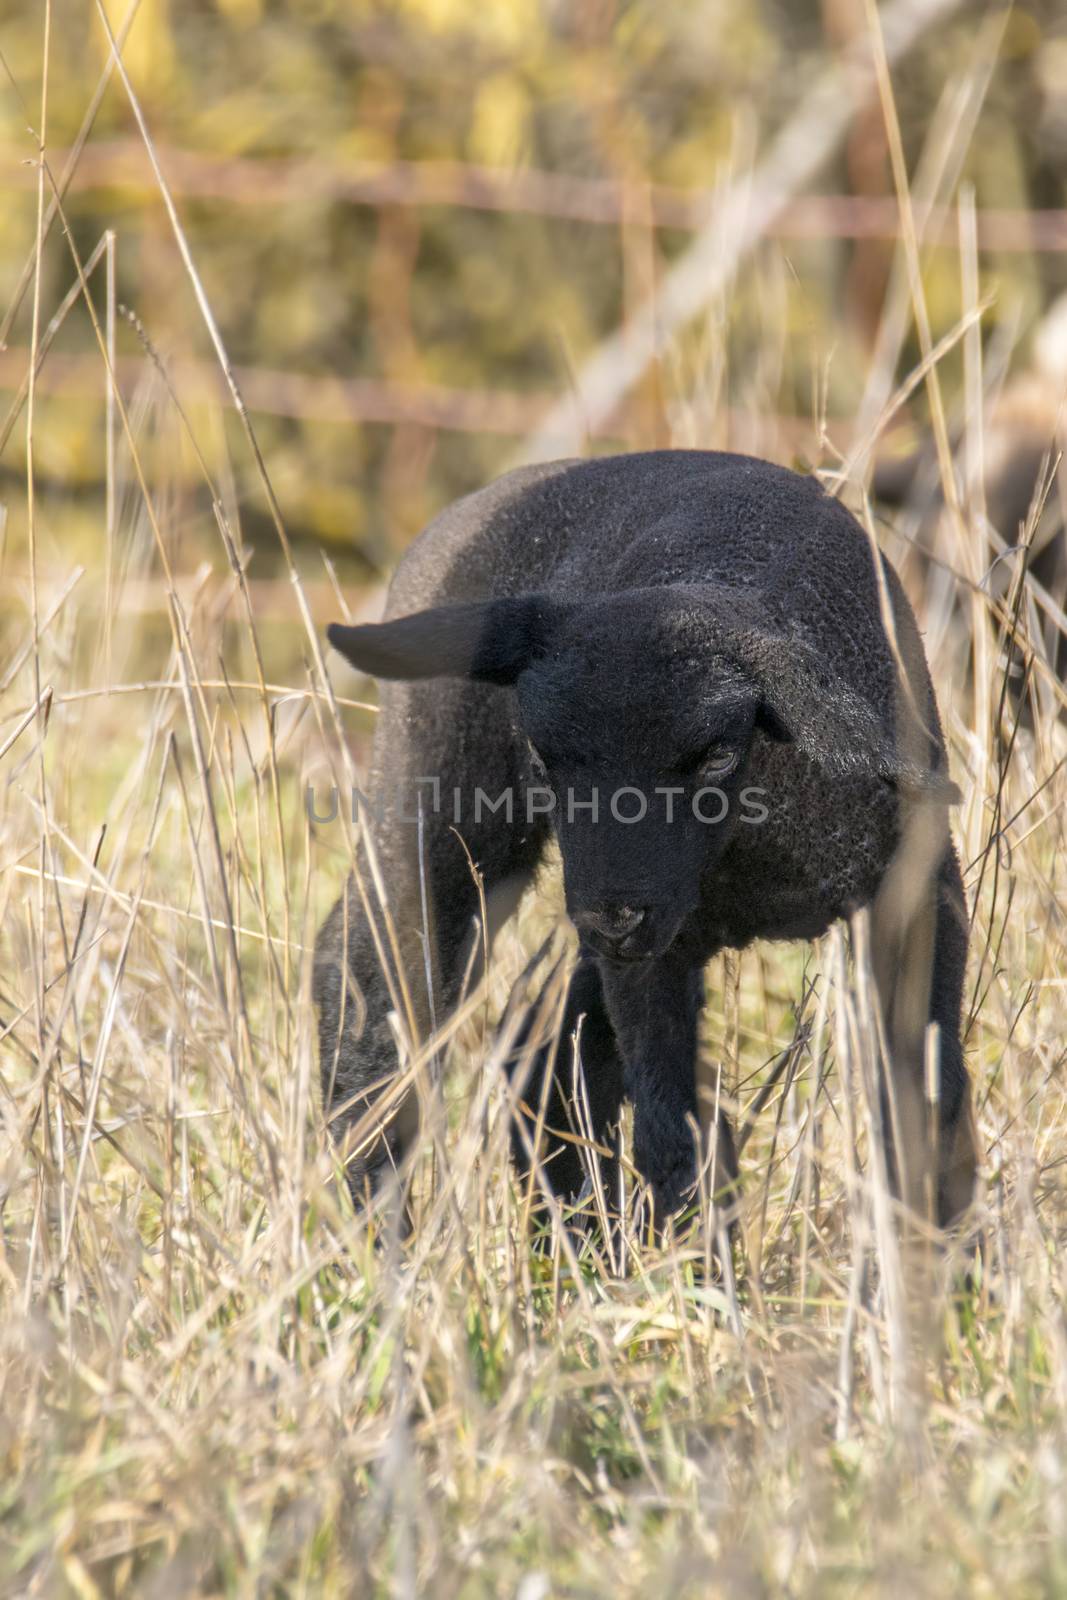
608, 929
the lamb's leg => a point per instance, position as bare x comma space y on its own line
655, 1008
358, 1057
562, 1163
361, 1008
460, 736
919, 946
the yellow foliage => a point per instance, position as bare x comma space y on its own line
149, 55
510, 24
245, 13
498, 126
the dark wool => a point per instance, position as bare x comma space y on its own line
682, 620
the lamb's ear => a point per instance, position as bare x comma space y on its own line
488, 640
807, 703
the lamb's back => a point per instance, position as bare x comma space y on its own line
582, 528
611, 523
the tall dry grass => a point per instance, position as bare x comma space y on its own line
213, 1381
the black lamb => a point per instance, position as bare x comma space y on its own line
710, 644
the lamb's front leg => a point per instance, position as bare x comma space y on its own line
654, 1008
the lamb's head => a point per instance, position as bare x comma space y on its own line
640, 723
640, 709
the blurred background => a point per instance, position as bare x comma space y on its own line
418, 220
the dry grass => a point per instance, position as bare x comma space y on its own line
212, 1383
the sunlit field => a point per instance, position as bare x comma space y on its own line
216, 1377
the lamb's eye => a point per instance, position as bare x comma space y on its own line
713, 761
718, 761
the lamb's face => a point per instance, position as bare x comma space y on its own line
642, 731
